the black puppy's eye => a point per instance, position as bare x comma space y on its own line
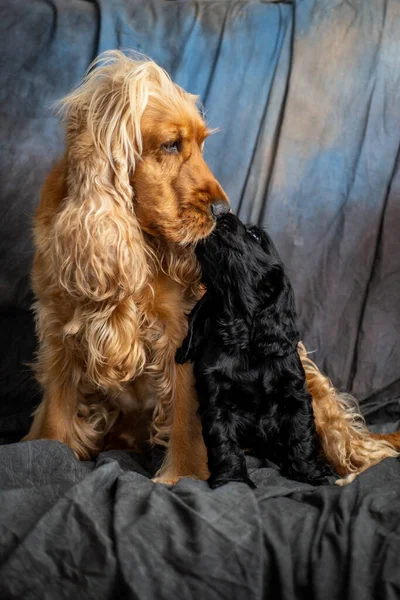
172, 147
255, 235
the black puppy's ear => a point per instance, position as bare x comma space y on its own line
274, 327
197, 331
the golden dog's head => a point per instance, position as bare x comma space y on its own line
149, 134
176, 195
133, 168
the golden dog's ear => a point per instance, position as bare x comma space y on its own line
98, 246
99, 251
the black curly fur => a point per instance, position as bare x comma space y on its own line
243, 341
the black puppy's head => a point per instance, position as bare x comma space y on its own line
249, 298
236, 257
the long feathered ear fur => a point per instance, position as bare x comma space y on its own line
274, 327
99, 250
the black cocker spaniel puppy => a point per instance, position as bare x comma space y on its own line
243, 340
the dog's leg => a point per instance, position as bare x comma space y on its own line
56, 419
226, 459
300, 438
186, 454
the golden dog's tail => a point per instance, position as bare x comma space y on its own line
392, 438
345, 439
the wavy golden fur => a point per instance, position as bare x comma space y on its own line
114, 272
344, 436
114, 275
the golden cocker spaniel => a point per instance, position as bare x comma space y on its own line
115, 274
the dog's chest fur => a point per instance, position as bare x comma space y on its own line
165, 329
168, 312
226, 354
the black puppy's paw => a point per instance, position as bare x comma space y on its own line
314, 475
326, 470
320, 475
219, 481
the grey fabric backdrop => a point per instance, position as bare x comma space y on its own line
307, 101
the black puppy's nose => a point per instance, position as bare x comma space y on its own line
219, 208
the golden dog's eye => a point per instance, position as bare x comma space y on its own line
172, 147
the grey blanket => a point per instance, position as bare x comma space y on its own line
103, 530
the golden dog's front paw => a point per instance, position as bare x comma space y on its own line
346, 480
170, 476
167, 479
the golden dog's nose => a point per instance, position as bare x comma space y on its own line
219, 208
